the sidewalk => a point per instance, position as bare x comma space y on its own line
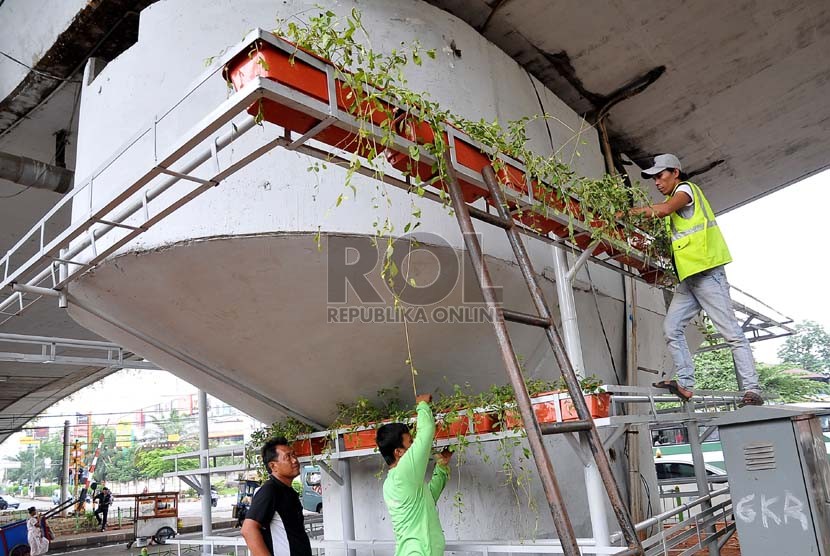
115, 535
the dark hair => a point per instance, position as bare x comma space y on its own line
389, 438
32, 510
269, 450
681, 175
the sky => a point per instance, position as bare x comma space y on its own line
777, 255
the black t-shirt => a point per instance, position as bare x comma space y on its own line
104, 499
277, 508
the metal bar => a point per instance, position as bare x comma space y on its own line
491, 218
565, 426
594, 441
35, 290
700, 475
207, 522
77, 361
534, 434
115, 225
312, 132
525, 318
580, 261
347, 505
69, 342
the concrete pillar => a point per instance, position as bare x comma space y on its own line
207, 523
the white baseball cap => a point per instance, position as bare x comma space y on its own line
661, 162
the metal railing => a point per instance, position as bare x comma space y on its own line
223, 545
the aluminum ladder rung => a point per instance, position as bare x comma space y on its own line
493, 219
525, 318
565, 427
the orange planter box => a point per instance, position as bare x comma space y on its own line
309, 447
360, 440
599, 405
482, 423
545, 412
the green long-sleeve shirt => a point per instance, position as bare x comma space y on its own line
411, 505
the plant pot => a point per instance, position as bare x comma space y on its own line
309, 446
599, 405
360, 440
482, 424
545, 412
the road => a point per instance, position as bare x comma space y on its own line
187, 508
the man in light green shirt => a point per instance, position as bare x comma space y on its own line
410, 503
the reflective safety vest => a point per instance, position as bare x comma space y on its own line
696, 242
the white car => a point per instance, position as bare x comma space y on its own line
677, 483
672, 468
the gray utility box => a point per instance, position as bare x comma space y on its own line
779, 478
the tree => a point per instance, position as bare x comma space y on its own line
121, 466
808, 348
150, 463
714, 370
175, 424
32, 461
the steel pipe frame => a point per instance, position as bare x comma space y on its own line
207, 522
541, 546
258, 88
693, 432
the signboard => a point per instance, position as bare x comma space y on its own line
123, 434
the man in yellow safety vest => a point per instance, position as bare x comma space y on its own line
700, 253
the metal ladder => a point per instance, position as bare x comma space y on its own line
585, 425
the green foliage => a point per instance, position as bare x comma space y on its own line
714, 370
150, 464
120, 466
809, 348
32, 460
377, 85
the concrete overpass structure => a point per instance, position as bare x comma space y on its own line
227, 291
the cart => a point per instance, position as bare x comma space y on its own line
245, 494
14, 537
156, 517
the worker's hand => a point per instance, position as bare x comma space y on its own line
443, 457
423, 398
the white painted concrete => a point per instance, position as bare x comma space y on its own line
231, 289
27, 30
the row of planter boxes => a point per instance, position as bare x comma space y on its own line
549, 407
306, 74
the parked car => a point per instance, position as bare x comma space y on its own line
9, 502
677, 484
312, 488
672, 468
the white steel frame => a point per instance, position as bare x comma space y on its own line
101, 354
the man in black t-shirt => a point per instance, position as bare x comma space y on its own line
274, 523
104, 499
